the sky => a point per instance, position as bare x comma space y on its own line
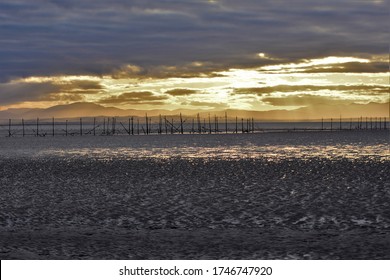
195, 54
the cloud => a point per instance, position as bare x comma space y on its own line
352, 89
210, 105
19, 92
135, 97
52, 90
181, 92
304, 100
99, 37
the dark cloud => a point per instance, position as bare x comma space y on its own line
96, 37
18, 91
181, 92
264, 91
134, 98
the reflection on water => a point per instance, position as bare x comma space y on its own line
274, 152
272, 146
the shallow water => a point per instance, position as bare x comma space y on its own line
272, 146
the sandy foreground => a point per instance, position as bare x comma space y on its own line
194, 208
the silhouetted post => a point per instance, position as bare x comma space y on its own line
108, 126
236, 125
371, 122
147, 123
181, 124
331, 124
376, 122
9, 128
132, 125
66, 128
242, 125
81, 127
138, 126
322, 124
53, 127
209, 124
94, 126
193, 126
166, 125
226, 124
380, 123
199, 124
104, 125
160, 125
23, 126
366, 123
350, 124
340, 123
37, 126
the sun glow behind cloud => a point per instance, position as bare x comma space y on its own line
279, 86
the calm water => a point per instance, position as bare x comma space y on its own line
273, 146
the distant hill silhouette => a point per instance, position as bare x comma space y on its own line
86, 109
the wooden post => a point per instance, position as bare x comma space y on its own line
9, 128
253, 125
138, 126
104, 125
236, 125
209, 124
215, 124
147, 125
166, 125
81, 127
37, 126
380, 122
160, 125
23, 126
66, 128
199, 124
94, 126
181, 124
371, 122
226, 123
242, 125
340, 123
108, 126
366, 123
132, 125
322, 124
53, 127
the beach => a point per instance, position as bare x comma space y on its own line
290, 195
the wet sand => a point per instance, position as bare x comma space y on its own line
199, 208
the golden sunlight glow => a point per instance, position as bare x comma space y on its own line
331, 60
283, 86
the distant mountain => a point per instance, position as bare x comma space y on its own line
85, 109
